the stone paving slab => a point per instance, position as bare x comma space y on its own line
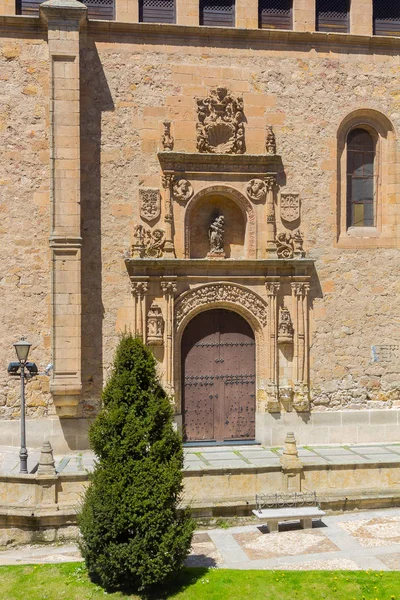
351, 541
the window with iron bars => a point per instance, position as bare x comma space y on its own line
217, 13
360, 179
332, 15
387, 17
275, 14
157, 11
97, 9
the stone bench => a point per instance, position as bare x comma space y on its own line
276, 508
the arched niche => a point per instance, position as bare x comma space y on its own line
240, 222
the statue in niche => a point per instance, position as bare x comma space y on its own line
216, 237
285, 327
155, 326
220, 127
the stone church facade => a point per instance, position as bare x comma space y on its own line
230, 195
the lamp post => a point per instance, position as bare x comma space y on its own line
22, 349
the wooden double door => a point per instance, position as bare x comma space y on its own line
218, 368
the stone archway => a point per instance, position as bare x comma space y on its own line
218, 377
240, 201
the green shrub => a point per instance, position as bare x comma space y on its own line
132, 533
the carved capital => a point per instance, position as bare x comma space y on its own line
272, 288
300, 289
167, 180
270, 182
169, 288
139, 288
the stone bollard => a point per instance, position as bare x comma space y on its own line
292, 467
46, 460
46, 480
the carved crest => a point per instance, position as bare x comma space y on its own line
155, 326
182, 190
285, 327
220, 127
148, 244
150, 203
289, 245
221, 292
290, 207
256, 190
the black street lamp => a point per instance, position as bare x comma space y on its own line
22, 349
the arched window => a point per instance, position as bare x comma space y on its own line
157, 11
217, 13
386, 17
275, 14
360, 179
332, 15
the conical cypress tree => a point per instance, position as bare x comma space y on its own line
132, 533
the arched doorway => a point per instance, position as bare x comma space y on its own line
218, 378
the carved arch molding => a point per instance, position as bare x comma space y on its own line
214, 293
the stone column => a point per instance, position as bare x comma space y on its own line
187, 12
300, 293
273, 375
139, 291
7, 7
361, 17
127, 11
247, 14
64, 18
304, 15
169, 288
270, 181
169, 249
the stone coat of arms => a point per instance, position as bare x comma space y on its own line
290, 207
150, 203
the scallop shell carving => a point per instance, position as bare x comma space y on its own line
221, 137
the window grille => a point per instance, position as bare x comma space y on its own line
157, 11
387, 17
218, 13
275, 14
97, 9
332, 15
360, 179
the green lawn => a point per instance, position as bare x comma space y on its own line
70, 582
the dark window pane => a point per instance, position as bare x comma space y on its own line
157, 11
217, 13
387, 17
97, 9
332, 15
275, 14
360, 178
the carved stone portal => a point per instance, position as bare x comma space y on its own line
216, 237
221, 292
150, 203
155, 326
148, 244
220, 127
290, 207
182, 190
289, 245
256, 190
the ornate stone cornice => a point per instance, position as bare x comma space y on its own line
187, 162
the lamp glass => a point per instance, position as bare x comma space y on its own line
22, 349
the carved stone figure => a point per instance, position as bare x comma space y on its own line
167, 139
220, 292
285, 327
290, 207
289, 245
270, 141
216, 237
150, 203
256, 190
148, 244
182, 190
220, 127
155, 326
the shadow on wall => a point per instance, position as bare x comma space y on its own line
95, 98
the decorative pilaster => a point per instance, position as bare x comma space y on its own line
169, 289
271, 185
63, 19
169, 249
300, 294
272, 393
139, 291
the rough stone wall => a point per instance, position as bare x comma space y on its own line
131, 87
25, 213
